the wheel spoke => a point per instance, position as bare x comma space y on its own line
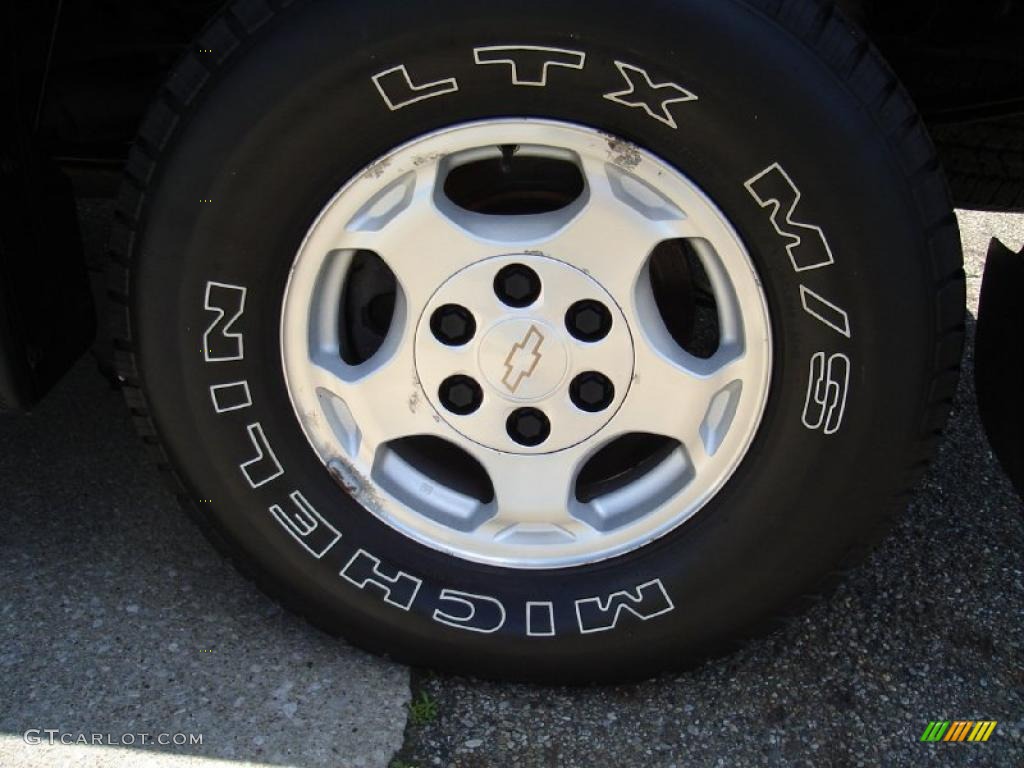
532, 492
383, 392
414, 233
689, 399
619, 223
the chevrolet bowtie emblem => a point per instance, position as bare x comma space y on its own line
522, 359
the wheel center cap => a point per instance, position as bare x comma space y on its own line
508, 360
523, 359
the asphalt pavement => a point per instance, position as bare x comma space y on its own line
117, 619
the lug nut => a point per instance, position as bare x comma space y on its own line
591, 391
460, 394
588, 320
528, 426
517, 285
452, 325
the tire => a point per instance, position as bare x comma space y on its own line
828, 179
985, 163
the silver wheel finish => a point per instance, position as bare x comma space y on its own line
596, 248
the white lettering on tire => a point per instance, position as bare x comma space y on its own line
829, 380
307, 526
398, 588
220, 342
534, 60
644, 93
475, 613
397, 89
232, 396
595, 614
825, 311
265, 466
807, 247
827, 385
540, 619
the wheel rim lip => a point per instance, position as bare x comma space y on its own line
406, 520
